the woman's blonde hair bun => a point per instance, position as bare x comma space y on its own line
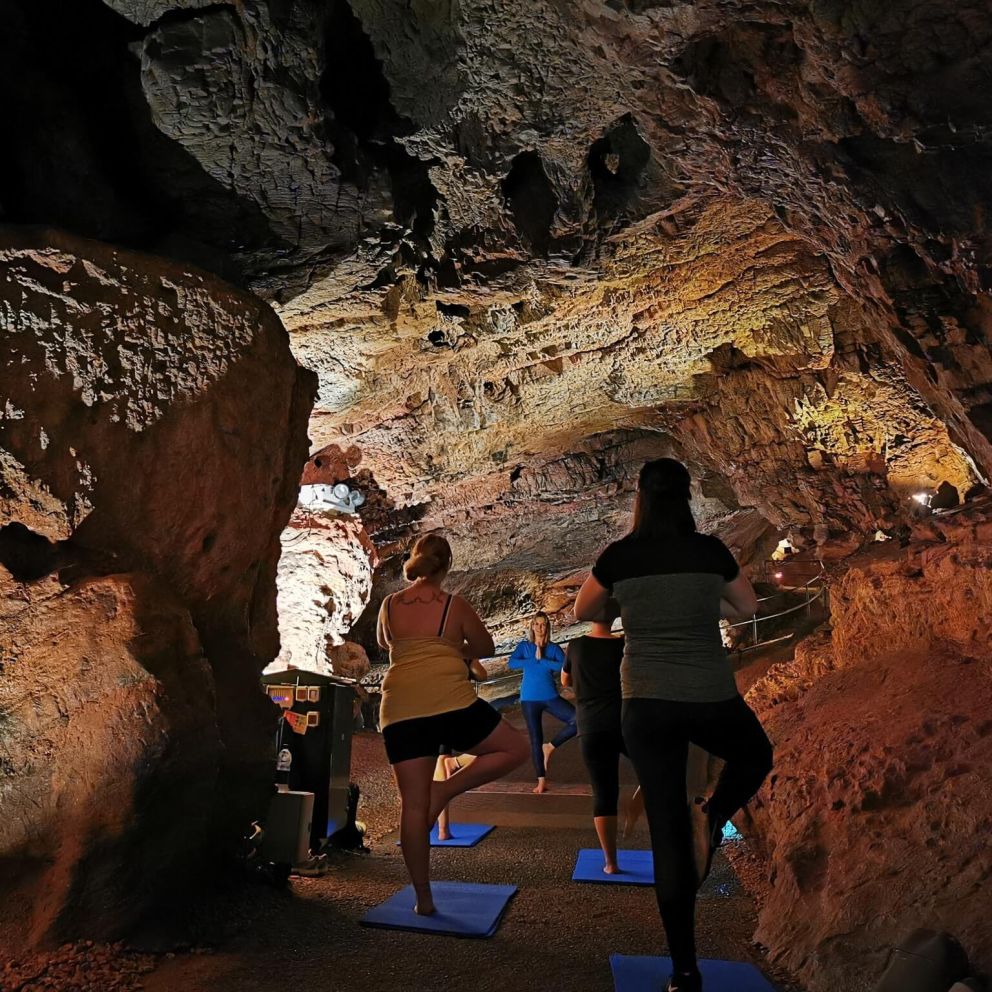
430, 556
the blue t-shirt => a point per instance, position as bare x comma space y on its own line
539, 674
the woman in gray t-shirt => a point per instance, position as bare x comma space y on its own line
673, 584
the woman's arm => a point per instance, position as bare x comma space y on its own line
566, 672
380, 626
591, 599
477, 670
738, 600
520, 656
554, 656
478, 640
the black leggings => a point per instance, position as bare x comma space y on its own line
657, 733
601, 752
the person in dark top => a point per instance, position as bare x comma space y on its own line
673, 584
592, 668
541, 660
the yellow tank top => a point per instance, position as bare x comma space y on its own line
426, 676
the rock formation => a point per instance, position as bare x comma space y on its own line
147, 477
524, 247
876, 817
324, 580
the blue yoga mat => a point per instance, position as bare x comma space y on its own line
636, 868
644, 974
464, 909
462, 834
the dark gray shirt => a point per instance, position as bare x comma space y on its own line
594, 664
669, 595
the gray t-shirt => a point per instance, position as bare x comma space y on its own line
669, 595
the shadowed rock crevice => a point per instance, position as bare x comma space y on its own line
531, 199
616, 164
26, 555
84, 154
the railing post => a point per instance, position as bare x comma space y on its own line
754, 621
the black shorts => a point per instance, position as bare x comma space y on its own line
424, 736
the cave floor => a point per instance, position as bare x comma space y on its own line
556, 935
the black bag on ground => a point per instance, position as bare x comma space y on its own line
926, 961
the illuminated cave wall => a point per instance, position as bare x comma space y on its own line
526, 246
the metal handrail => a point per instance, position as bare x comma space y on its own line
753, 622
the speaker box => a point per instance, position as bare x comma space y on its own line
322, 753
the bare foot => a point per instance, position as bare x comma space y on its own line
541, 787
443, 834
611, 869
547, 749
424, 906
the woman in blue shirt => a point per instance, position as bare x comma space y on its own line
541, 661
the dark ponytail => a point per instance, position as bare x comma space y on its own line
661, 510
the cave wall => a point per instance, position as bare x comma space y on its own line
876, 815
324, 581
152, 436
523, 247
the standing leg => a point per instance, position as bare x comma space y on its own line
414, 780
441, 774
601, 753
502, 751
560, 709
532, 714
656, 741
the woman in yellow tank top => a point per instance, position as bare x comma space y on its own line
428, 702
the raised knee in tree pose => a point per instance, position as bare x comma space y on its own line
428, 701
673, 584
540, 661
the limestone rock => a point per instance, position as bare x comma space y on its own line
875, 816
112, 754
349, 660
144, 448
324, 579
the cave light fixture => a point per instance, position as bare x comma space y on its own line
339, 497
924, 499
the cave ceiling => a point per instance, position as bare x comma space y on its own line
525, 246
